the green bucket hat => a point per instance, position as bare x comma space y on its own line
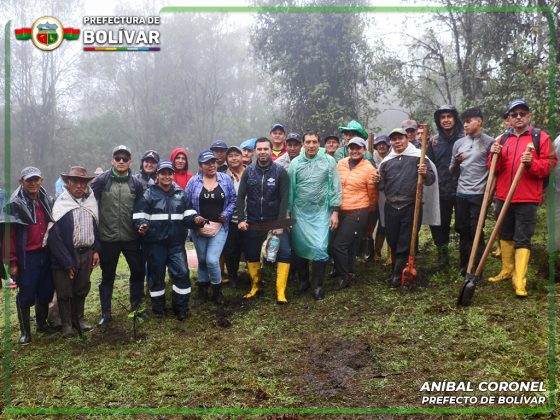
354, 126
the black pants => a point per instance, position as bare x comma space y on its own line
440, 234
398, 229
346, 238
467, 211
110, 252
519, 223
232, 250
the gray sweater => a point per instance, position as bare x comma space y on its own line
473, 170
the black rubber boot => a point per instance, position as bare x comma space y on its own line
65, 310
399, 264
78, 312
443, 257
41, 314
202, 293
318, 269
343, 283
303, 274
24, 326
217, 296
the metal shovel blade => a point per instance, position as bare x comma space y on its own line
467, 291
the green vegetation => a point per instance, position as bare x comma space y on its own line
364, 347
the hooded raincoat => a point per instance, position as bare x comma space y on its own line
181, 178
314, 191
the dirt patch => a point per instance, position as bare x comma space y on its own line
110, 334
333, 365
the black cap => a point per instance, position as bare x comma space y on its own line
151, 154
219, 144
277, 126
514, 103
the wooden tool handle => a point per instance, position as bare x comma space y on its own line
418, 203
502, 215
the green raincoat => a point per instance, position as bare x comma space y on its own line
314, 191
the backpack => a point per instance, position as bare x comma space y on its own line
536, 135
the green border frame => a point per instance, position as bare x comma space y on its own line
8, 409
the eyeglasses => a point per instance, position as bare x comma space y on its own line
521, 114
124, 159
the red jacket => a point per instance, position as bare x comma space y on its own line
181, 178
530, 187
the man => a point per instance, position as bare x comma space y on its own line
73, 240
264, 192
219, 149
469, 157
439, 151
411, 128
332, 143
180, 159
293, 147
248, 149
278, 137
521, 217
315, 194
148, 165
397, 179
351, 130
30, 210
419, 133
117, 191
162, 217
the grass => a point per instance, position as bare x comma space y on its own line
364, 347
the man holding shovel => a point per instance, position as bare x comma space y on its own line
397, 179
521, 217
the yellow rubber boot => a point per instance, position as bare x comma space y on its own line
282, 271
508, 254
379, 239
519, 278
498, 252
254, 269
389, 260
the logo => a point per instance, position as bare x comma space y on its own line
47, 33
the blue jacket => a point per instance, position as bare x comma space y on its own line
194, 188
167, 214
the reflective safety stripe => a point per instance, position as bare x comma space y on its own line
181, 291
177, 216
160, 217
189, 213
136, 216
157, 293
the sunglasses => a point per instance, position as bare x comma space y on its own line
121, 159
521, 114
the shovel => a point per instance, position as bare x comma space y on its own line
467, 290
409, 274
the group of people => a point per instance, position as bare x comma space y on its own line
313, 203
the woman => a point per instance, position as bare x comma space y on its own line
212, 195
180, 160
381, 147
359, 196
233, 246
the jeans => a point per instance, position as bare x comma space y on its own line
253, 244
208, 251
35, 282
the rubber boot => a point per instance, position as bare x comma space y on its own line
78, 312
519, 278
303, 274
65, 310
498, 252
24, 326
389, 260
254, 269
41, 314
282, 271
379, 239
318, 269
105, 297
443, 256
344, 282
508, 255
217, 296
396, 278
202, 296
225, 277
465, 246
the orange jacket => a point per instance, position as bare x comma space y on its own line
358, 189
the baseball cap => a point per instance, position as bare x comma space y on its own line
30, 172
219, 144
332, 137
293, 136
233, 149
357, 141
277, 126
151, 154
121, 148
397, 131
514, 103
381, 139
248, 144
165, 164
206, 156
409, 124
